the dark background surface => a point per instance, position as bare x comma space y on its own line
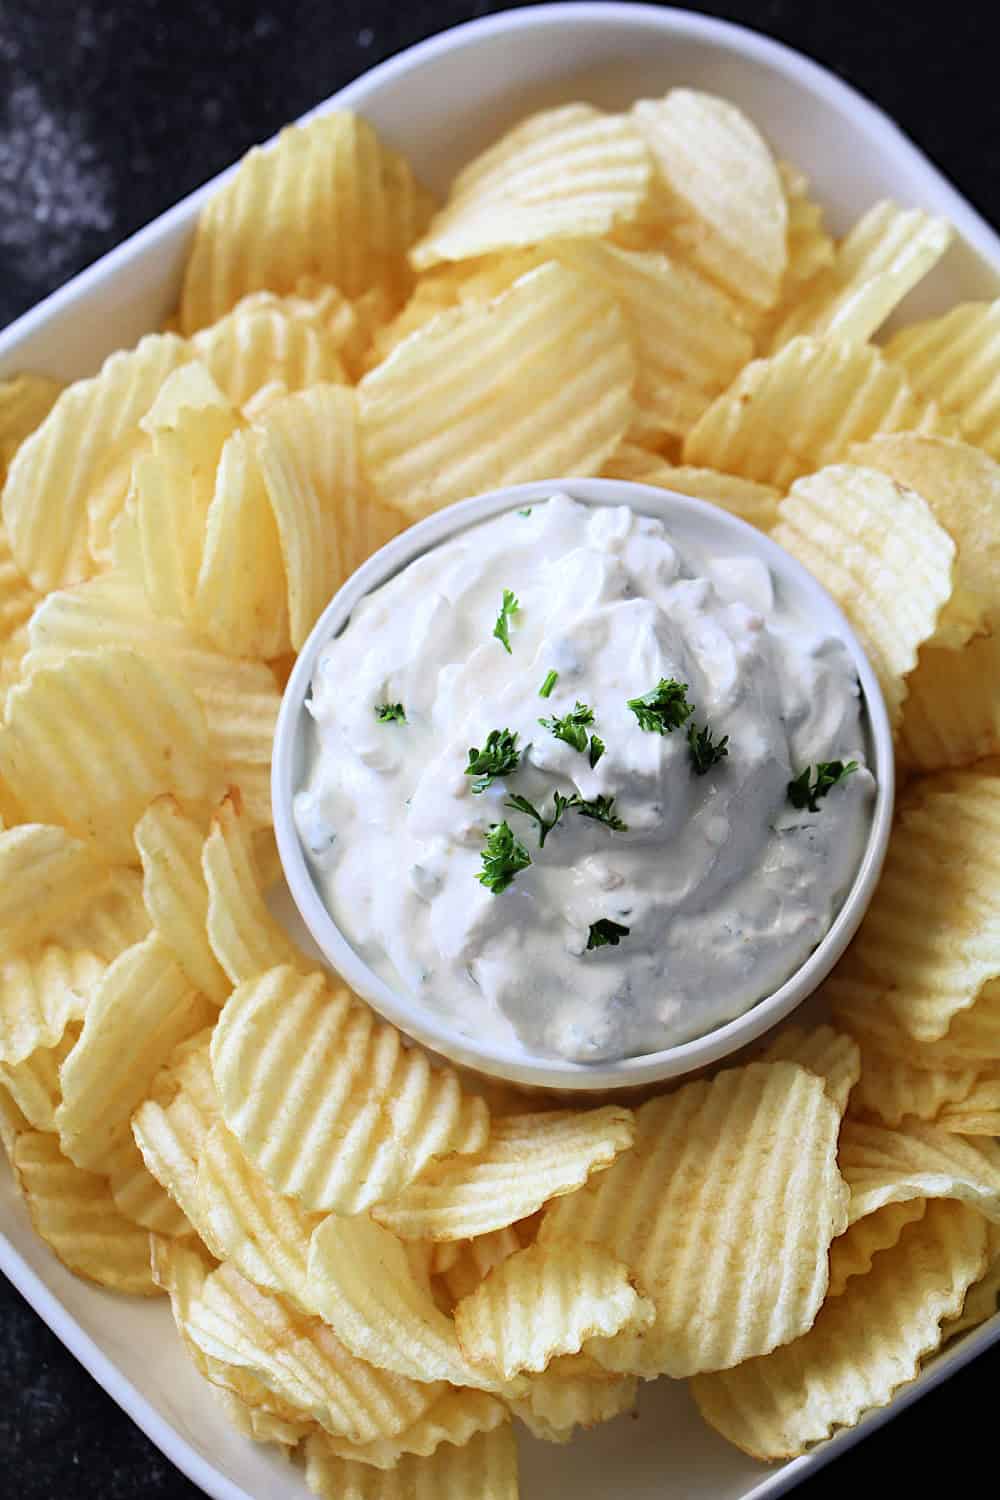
111, 111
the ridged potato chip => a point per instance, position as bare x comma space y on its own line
261, 1425
455, 1418
78, 462
307, 451
327, 199
33, 1083
569, 172
17, 597
485, 1468
832, 1055
464, 1264
979, 1112
563, 1397
170, 1127
801, 409
528, 1160
917, 1160
930, 939
75, 1215
951, 717
47, 878
142, 1007
752, 502
546, 1301
391, 1320
724, 1211
880, 552
12, 1125
890, 1087
268, 340
858, 1001
40, 993
89, 744
241, 721
729, 216
852, 1253
535, 383
326, 1100
886, 253
112, 921
955, 359
25, 402
243, 935
142, 1200
810, 248
981, 1298
687, 343
170, 843
779, 1405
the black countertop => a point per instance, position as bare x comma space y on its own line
114, 109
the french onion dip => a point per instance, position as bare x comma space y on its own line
582, 791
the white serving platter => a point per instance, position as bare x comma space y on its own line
440, 102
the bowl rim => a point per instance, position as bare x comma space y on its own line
508, 1062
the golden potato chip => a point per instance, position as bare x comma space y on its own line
25, 402
268, 340
930, 939
777, 1406
979, 1112
12, 1125
858, 1001
170, 842
33, 1083
17, 597
79, 460
47, 878
569, 172
955, 359
951, 717
535, 383
301, 1361
456, 1417
390, 1320
75, 1215
728, 207
261, 1425
327, 199
170, 1127
981, 1298
879, 551
801, 409
241, 722
91, 742
113, 921
142, 1200
852, 1253
891, 1087
485, 1468
752, 502
326, 1100
307, 450
243, 935
546, 1301
527, 1160
724, 1211
687, 343
886, 253
883, 1166
561, 1398
833, 1056
810, 248
465, 1264
41, 991
632, 462
141, 1008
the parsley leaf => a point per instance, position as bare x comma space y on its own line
705, 751
664, 708
525, 512
551, 678
498, 757
597, 749
602, 810
828, 773
545, 825
606, 934
570, 728
503, 856
387, 712
508, 608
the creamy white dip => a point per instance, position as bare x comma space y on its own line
723, 885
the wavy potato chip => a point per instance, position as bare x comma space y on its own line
569, 172
243, 935
755, 503
75, 1215
170, 843
777, 1406
141, 1199
41, 992
951, 717
455, 1418
114, 920
880, 552
269, 341
810, 248
853, 1252
565, 1397
464, 1264
47, 879
171, 1126
25, 402
724, 1211
955, 359
327, 199
830, 1054
12, 1126
972, 1038
326, 1100
535, 383
241, 722
546, 1301
891, 1087
33, 1083
528, 1160
882, 1165
261, 1425
17, 597
484, 1468
981, 1298
979, 1112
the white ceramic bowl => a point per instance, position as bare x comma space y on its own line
687, 521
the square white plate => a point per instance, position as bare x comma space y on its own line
440, 102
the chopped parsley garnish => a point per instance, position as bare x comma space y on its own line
597, 749
503, 856
545, 825
387, 713
606, 934
705, 750
551, 678
663, 709
508, 608
526, 511
498, 757
602, 810
571, 727
828, 773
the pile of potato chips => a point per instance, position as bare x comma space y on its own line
375, 1262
